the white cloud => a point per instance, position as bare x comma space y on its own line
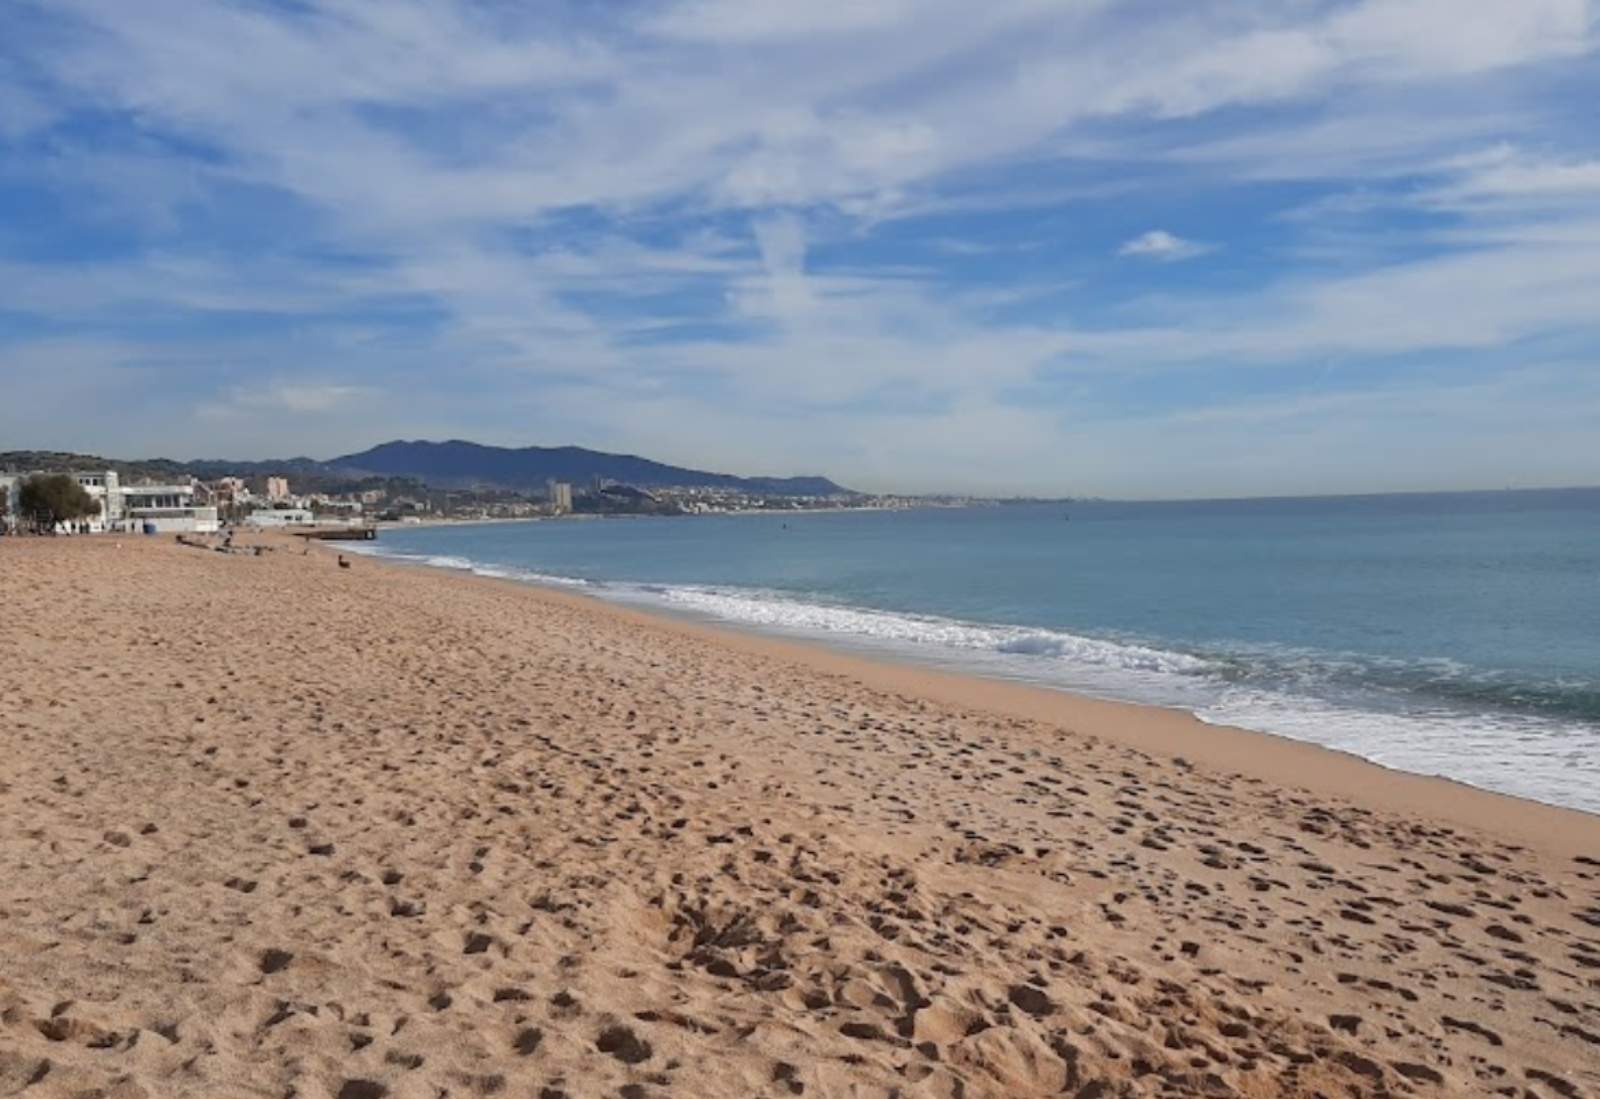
1505, 174
1441, 36
892, 95
1486, 298
746, 21
306, 397
302, 398
1162, 245
171, 282
1368, 141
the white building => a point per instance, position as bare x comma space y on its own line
101, 485
277, 488
165, 508
103, 488
281, 517
151, 508
10, 489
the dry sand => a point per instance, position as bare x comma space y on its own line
273, 828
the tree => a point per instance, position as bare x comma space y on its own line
51, 498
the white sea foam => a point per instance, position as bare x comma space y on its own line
465, 564
774, 610
531, 577
445, 561
1528, 755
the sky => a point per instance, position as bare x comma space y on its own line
1136, 249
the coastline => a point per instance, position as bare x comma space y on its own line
1164, 731
272, 825
397, 524
1168, 730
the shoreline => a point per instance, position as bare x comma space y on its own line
1172, 730
398, 524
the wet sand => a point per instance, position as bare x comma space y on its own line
269, 827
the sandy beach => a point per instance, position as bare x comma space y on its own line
271, 827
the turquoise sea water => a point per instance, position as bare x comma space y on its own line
1452, 634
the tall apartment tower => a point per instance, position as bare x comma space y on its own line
559, 494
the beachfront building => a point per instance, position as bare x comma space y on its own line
10, 490
100, 484
280, 517
149, 508
165, 509
103, 488
277, 488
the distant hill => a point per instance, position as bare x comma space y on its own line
155, 468
527, 468
447, 465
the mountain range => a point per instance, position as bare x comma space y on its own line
460, 463
451, 464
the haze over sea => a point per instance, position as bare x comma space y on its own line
1449, 634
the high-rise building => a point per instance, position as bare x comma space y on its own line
559, 494
277, 488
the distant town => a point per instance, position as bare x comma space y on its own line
123, 497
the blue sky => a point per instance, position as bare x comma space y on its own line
1132, 249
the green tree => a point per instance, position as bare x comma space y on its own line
50, 498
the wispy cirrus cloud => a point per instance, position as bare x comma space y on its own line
300, 397
903, 220
1504, 175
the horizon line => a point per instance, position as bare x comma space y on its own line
998, 497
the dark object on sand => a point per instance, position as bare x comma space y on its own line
343, 564
340, 534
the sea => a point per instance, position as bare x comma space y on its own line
1451, 634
